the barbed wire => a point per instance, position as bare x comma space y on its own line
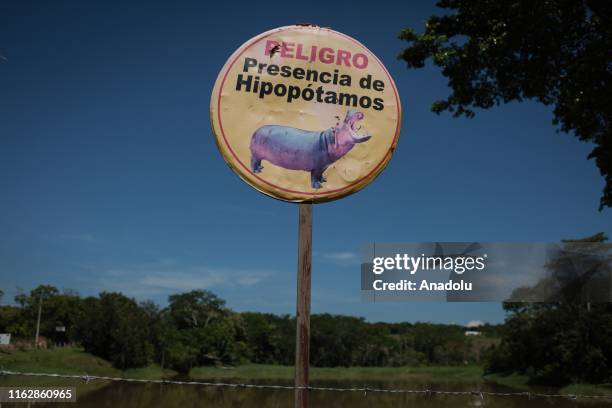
427, 391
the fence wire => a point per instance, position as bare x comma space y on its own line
427, 392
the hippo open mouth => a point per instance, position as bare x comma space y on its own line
351, 119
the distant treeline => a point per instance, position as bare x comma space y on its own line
551, 343
196, 328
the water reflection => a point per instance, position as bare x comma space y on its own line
124, 395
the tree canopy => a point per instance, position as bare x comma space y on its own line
556, 52
557, 342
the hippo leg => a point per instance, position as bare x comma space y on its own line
256, 164
322, 178
316, 178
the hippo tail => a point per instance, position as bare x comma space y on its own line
256, 166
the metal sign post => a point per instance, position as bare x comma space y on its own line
302, 318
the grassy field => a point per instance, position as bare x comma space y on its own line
66, 361
521, 382
416, 375
76, 361
71, 360
467, 374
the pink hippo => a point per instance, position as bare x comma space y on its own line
297, 149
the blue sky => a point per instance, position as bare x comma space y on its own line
110, 178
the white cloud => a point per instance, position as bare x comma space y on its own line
181, 281
249, 280
339, 258
166, 275
474, 323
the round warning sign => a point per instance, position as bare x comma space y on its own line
305, 114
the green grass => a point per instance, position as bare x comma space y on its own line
419, 375
277, 372
76, 361
588, 389
152, 371
521, 382
513, 380
67, 360
58, 360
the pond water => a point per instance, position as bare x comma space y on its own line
124, 395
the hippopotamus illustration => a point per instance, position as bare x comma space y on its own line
297, 149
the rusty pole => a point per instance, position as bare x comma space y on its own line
302, 320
